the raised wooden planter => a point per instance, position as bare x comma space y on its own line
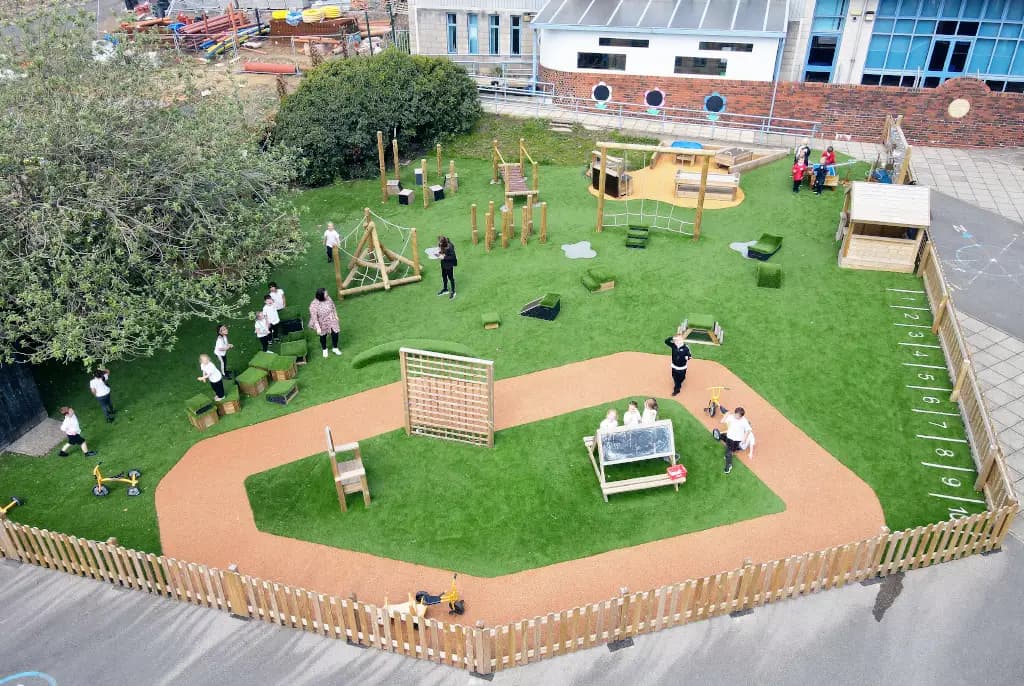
252, 381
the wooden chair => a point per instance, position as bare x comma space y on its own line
349, 475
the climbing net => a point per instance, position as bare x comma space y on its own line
642, 212
360, 248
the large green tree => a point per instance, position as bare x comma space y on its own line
132, 199
335, 113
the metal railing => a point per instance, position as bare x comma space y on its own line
542, 99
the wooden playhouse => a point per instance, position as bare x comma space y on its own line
883, 225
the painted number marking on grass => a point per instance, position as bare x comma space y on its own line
929, 373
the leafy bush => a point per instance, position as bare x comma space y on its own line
334, 115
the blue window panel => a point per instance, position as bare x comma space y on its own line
452, 32
1002, 56
883, 26
988, 29
982, 54
908, 8
995, 9
876, 52
951, 8
1010, 31
826, 24
1018, 62
925, 27
905, 26
888, 8
973, 9
918, 55
830, 8
473, 33
930, 8
1015, 11
897, 52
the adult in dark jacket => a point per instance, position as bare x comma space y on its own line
680, 356
448, 263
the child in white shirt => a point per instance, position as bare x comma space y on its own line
277, 295
611, 421
262, 330
213, 375
650, 411
331, 239
221, 348
99, 387
73, 431
273, 318
632, 415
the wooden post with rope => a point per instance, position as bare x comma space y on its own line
700, 195
383, 171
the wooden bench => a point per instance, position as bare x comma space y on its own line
719, 186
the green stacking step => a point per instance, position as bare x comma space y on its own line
638, 233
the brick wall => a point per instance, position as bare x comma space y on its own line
995, 119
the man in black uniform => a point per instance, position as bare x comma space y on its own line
680, 356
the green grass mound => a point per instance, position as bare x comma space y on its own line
769, 275
252, 375
594, 277
296, 348
262, 360
532, 500
490, 319
389, 350
281, 363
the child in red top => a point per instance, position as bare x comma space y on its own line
798, 175
830, 156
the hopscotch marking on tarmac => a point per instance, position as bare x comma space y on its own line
929, 365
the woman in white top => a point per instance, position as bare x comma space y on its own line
331, 240
650, 411
221, 348
99, 387
73, 431
213, 375
632, 415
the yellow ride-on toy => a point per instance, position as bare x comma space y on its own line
456, 606
15, 501
131, 478
713, 405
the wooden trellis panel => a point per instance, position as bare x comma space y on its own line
448, 396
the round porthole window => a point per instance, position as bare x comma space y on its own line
601, 93
654, 99
714, 103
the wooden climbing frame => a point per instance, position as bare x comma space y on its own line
448, 396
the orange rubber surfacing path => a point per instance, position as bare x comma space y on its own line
204, 512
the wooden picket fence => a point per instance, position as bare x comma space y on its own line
993, 479
488, 649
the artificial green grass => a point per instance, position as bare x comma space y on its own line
199, 404
391, 349
532, 500
824, 350
768, 275
252, 375
294, 348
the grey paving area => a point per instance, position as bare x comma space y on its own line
44, 437
950, 624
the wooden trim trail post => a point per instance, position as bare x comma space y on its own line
336, 253
600, 188
489, 226
425, 188
700, 197
415, 252
543, 222
472, 215
383, 171
394, 157
438, 150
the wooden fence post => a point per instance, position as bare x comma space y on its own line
884, 537
961, 377
472, 218
940, 313
600, 189
234, 589
394, 157
988, 463
7, 547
